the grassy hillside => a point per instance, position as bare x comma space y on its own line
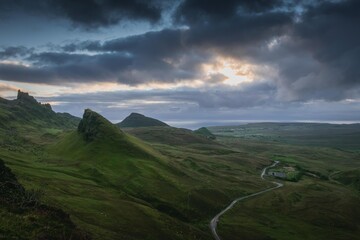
349, 178
346, 136
26, 112
167, 183
170, 136
108, 180
139, 120
323, 204
25, 121
23, 216
311, 209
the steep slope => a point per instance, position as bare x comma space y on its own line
96, 132
116, 186
128, 180
154, 131
134, 178
23, 214
138, 120
25, 111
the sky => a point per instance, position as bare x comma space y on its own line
190, 63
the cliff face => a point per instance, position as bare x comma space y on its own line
25, 97
26, 111
27, 216
94, 126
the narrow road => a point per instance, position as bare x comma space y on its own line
215, 220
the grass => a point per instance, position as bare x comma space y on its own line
311, 209
117, 181
322, 205
344, 136
349, 178
24, 216
167, 183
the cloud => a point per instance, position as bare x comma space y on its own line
300, 56
151, 57
59, 68
169, 55
7, 88
14, 52
209, 11
165, 56
319, 59
88, 14
249, 95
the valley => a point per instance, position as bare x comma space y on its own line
215, 220
161, 182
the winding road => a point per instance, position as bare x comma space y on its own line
215, 220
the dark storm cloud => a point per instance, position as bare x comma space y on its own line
107, 12
57, 68
167, 42
132, 68
87, 13
14, 52
208, 11
14, 72
240, 32
325, 48
170, 55
151, 57
315, 51
331, 32
317, 57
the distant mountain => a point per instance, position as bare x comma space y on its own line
96, 132
25, 111
139, 120
155, 131
205, 132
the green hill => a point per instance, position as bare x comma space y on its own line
138, 120
96, 132
349, 178
139, 185
205, 132
26, 111
154, 131
116, 186
136, 183
170, 136
162, 182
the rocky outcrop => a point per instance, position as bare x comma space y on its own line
94, 126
